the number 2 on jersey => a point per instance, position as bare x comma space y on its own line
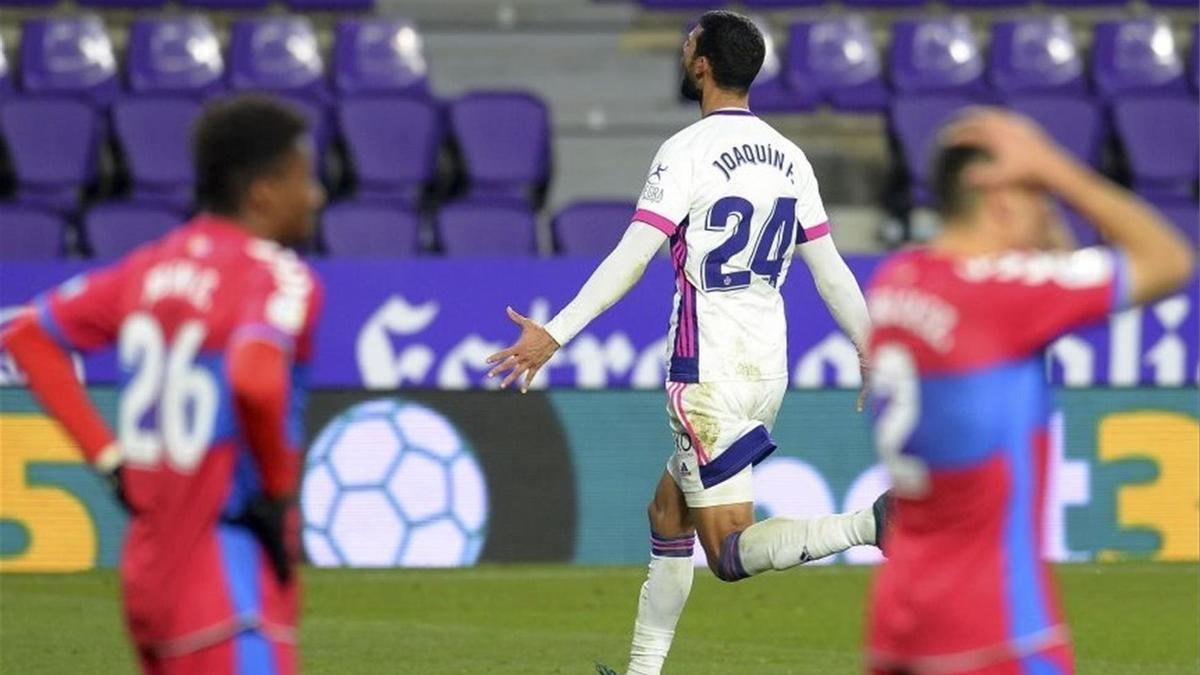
894, 380
167, 385
770, 250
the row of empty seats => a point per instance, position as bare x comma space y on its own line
836, 61
297, 5
477, 226
182, 55
71, 97
899, 4
392, 143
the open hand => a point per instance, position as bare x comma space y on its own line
526, 356
1021, 152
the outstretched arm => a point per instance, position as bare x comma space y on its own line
841, 293
609, 283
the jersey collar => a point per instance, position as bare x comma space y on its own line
736, 112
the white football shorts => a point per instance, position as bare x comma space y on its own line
721, 430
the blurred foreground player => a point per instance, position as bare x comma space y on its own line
736, 199
961, 401
213, 325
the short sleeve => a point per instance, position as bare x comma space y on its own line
83, 313
810, 210
1038, 297
283, 301
666, 197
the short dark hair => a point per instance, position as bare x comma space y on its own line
952, 198
237, 141
734, 48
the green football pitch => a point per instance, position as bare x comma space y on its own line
1127, 618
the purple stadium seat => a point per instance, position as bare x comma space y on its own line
682, 4
1184, 214
354, 229
379, 55
69, 55
1084, 3
487, 227
123, 4
278, 54
884, 4
979, 4
770, 92
770, 4
1160, 135
331, 5
226, 4
1173, 3
505, 141
1075, 122
29, 3
115, 229
916, 120
29, 234
52, 143
591, 227
175, 55
1035, 55
154, 133
1084, 233
935, 55
393, 146
6, 80
1195, 60
835, 60
1135, 56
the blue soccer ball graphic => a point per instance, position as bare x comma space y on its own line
392, 483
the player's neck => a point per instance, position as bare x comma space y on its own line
716, 99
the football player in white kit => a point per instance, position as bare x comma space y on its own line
734, 198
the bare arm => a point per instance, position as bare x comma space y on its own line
1158, 259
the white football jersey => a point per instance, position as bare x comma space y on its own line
735, 197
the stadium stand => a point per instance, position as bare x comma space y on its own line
70, 55
1035, 55
119, 97
153, 135
392, 144
591, 227
29, 234
114, 229
175, 55
52, 144
486, 227
1135, 56
504, 138
836, 61
935, 55
379, 55
365, 230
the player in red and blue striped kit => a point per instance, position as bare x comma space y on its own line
962, 405
213, 326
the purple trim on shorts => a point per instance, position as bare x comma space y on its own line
729, 565
752, 448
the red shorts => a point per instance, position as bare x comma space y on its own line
248, 653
